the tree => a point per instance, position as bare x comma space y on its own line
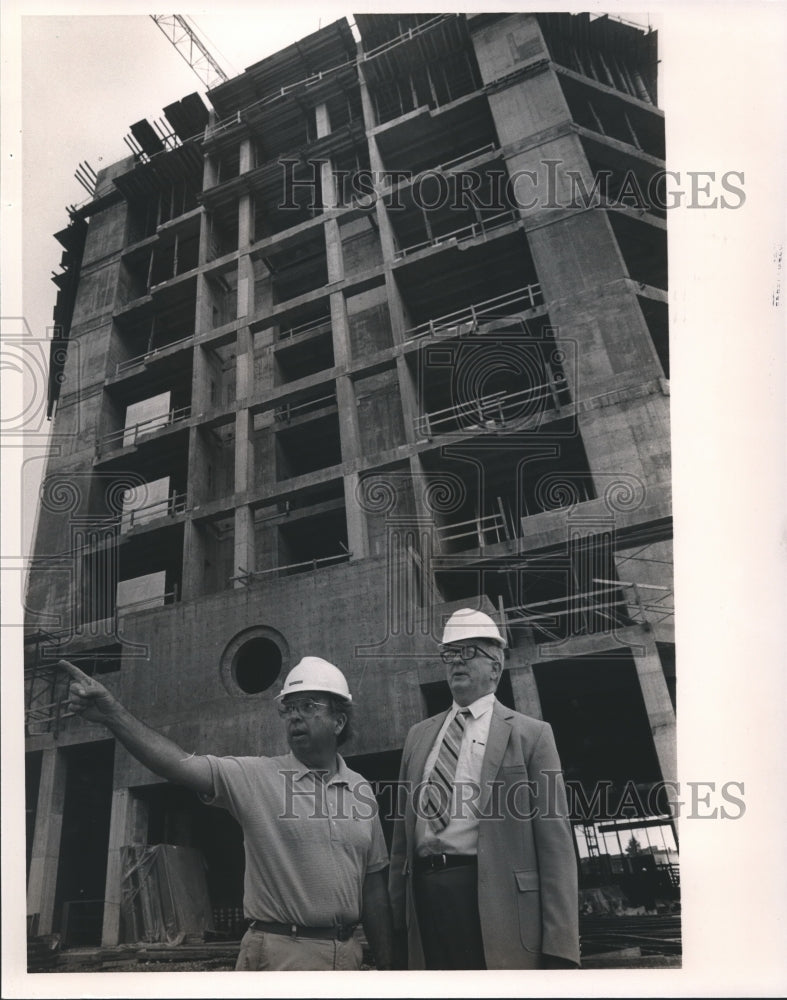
633, 846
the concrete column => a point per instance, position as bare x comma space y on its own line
245, 303
328, 185
244, 445
340, 330
203, 236
408, 397
193, 557
264, 444
349, 428
42, 883
200, 376
245, 221
244, 366
523, 681
422, 512
245, 293
203, 313
244, 451
193, 549
333, 251
244, 543
209, 170
333, 241
523, 684
244, 476
128, 825
369, 121
246, 156
387, 240
396, 308
322, 120
357, 532
658, 705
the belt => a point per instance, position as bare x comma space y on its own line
339, 932
437, 862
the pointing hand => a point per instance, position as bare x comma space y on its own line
88, 697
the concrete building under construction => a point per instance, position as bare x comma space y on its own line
378, 332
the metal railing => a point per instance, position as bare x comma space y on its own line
469, 232
288, 410
47, 716
142, 359
475, 527
128, 436
489, 412
607, 607
590, 611
490, 147
309, 81
636, 598
460, 322
311, 326
249, 577
419, 29
167, 507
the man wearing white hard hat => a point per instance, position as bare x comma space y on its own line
483, 869
315, 853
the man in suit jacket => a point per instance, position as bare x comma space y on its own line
483, 868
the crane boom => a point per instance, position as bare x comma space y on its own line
184, 38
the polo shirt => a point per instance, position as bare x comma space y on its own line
309, 844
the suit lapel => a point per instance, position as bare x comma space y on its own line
418, 760
499, 732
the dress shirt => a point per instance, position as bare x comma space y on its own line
460, 836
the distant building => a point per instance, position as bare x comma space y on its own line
382, 334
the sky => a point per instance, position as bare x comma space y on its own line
88, 77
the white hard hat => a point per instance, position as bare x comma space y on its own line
315, 674
468, 624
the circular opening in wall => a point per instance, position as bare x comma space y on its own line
252, 661
256, 665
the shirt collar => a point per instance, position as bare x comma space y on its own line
479, 707
300, 770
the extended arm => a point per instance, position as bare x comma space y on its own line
90, 699
376, 918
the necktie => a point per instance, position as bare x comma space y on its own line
440, 787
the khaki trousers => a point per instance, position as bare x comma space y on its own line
260, 951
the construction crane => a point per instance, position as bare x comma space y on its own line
185, 39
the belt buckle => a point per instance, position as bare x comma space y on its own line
343, 932
439, 861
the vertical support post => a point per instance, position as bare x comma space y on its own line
658, 705
128, 825
244, 543
44, 863
523, 680
357, 532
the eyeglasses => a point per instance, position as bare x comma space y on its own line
464, 653
306, 708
